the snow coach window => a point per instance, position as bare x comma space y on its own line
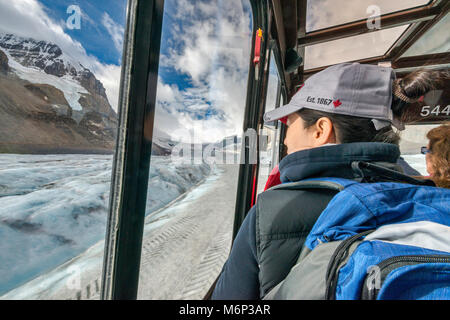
60, 70
323, 14
412, 139
201, 96
435, 40
362, 46
269, 137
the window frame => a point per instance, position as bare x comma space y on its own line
137, 100
421, 20
412, 14
248, 173
137, 103
275, 126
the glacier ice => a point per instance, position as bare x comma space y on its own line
54, 207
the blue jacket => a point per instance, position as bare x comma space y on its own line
239, 279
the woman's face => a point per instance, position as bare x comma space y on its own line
300, 138
428, 159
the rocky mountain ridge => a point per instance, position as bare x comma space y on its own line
50, 103
49, 58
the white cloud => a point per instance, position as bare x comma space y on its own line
115, 30
28, 18
109, 75
211, 47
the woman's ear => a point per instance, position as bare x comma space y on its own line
324, 132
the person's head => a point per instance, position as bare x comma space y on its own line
438, 157
351, 103
311, 128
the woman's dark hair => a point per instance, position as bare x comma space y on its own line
405, 93
350, 129
411, 88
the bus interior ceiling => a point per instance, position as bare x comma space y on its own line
291, 25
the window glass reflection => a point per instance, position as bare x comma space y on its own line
322, 14
194, 167
368, 45
269, 137
435, 40
60, 65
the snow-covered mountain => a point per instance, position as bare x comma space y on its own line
48, 57
51, 103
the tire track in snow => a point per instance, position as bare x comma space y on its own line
209, 267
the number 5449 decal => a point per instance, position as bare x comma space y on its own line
427, 110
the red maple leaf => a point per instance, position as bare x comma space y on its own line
337, 103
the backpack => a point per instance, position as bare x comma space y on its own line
382, 240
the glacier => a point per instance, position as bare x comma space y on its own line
54, 207
71, 88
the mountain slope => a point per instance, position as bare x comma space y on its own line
49, 103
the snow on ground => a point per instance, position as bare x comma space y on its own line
54, 207
184, 248
417, 161
53, 212
71, 88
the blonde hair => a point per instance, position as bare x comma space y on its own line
440, 154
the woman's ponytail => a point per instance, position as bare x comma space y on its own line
406, 93
412, 89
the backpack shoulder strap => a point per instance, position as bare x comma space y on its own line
336, 184
370, 172
285, 215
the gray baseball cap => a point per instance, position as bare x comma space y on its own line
359, 90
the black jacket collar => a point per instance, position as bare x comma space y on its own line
335, 160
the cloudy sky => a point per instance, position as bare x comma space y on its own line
96, 45
204, 55
204, 64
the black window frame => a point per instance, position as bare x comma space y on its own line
140, 62
248, 172
129, 185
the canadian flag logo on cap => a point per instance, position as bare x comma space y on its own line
337, 103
